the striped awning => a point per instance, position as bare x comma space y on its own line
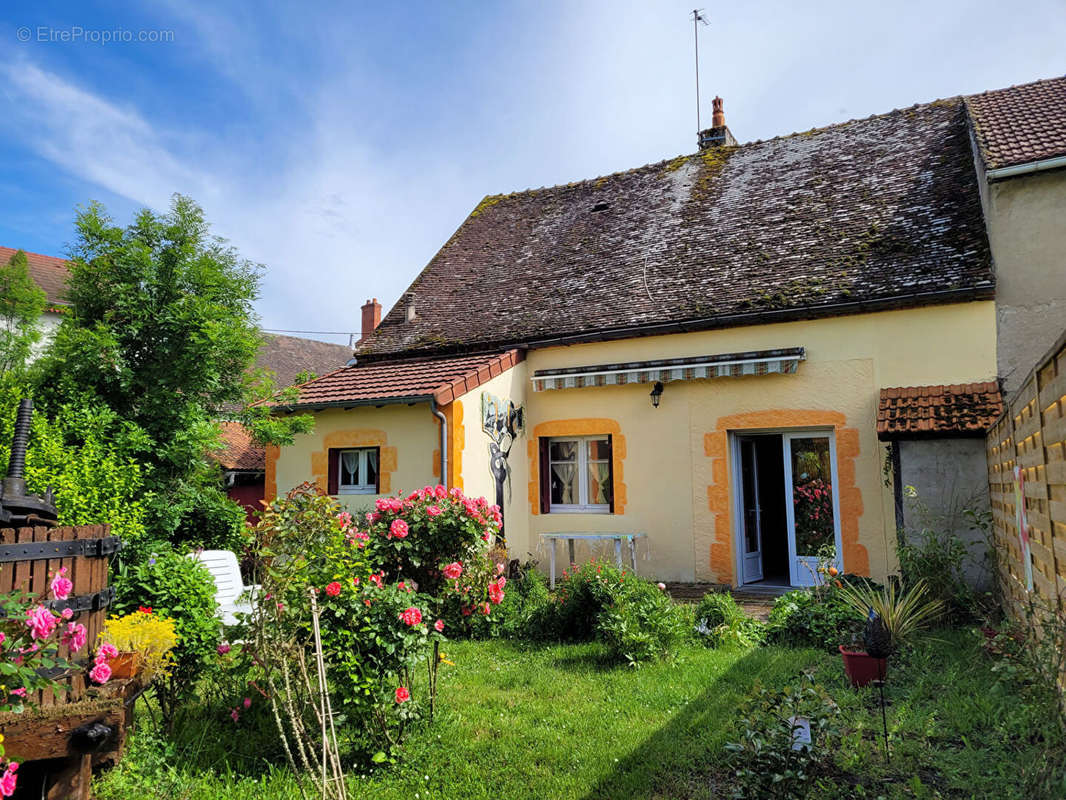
726, 365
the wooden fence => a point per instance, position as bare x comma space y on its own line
1031, 435
32, 571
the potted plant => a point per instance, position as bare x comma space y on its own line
144, 641
892, 617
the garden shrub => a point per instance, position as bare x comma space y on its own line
522, 612
181, 589
938, 558
813, 618
635, 618
766, 762
721, 622
378, 622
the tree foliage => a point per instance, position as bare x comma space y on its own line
21, 306
160, 332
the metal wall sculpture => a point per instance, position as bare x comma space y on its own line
503, 422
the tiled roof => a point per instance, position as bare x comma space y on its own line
239, 451
873, 213
915, 411
288, 356
1020, 124
442, 379
48, 272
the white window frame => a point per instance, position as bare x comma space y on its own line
582, 507
364, 488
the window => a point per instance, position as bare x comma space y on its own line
354, 471
576, 474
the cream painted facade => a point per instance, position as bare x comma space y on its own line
673, 468
1026, 221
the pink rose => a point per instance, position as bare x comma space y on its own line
399, 529
61, 586
19, 692
453, 570
440, 492
439, 625
7, 783
234, 714
376, 580
40, 622
433, 511
495, 593
75, 636
67, 613
107, 650
247, 703
101, 673
411, 616
402, 694
223, 649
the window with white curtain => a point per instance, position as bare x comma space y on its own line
580, 472
357, 471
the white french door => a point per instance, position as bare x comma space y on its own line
812, 503
752, 507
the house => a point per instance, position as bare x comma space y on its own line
740, 354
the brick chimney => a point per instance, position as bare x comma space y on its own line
718, 135
371, 316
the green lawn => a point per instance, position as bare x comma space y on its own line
521, 721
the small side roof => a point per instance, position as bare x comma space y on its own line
50, 273
380, 383
965, 409
1020, 124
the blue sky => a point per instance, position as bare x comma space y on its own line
341, 144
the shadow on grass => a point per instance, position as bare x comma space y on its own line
680, 760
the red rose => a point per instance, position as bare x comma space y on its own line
411, 616
402, 694
439, 625
333, 589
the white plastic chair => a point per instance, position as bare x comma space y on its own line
232, 595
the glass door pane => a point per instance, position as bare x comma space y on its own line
812, 495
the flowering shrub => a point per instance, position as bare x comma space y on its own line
31, 637
430, 536
813, 504
721, 622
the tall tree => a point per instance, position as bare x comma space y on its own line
21, 304
161, 330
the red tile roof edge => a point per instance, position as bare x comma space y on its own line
985, 407
497, 366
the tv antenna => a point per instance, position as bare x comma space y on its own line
697, 18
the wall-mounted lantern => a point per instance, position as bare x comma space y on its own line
656, 393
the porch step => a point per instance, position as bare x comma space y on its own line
756, 601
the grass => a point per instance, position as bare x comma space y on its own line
522, 721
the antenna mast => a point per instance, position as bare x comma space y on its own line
697, 18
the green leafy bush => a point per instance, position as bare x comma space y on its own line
635, 619
812, 618
721, 622
179, 588
938, 559
521, 613
768, 761
88, 457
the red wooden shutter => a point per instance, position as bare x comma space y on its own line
377, 473
610, 468
545, 475
334, 471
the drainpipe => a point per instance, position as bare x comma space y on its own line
443, 441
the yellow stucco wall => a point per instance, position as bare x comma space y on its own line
672, 468
407, 435
674, 474
1026, 222
477, 478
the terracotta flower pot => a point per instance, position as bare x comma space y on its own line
862, 668
125, 665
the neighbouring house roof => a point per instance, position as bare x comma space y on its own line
869, 214
239, 451
1021, 124
288, 356
442, 380
50, 273
932, 411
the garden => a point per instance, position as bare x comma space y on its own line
400, 652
